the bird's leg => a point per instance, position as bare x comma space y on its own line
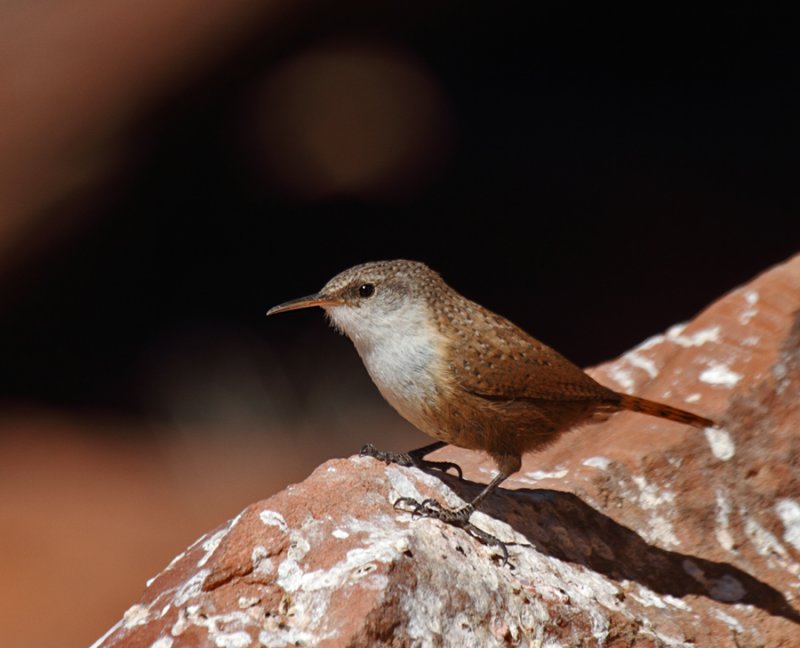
432, 508
412, 458
507, 465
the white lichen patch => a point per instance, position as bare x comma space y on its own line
661, 503
181, 623
621, 371
622, 376
723, 522
240, 639
641, 362
539, 475
273, 518
135, 615
259, 557
728, 620
650, 599
692, 398
750, 310
401, 485
309, 592
277, 633
720, 442
224, 630
357, 564
662, 531
789, 512
699, 338
210, 546
767, 545
245, 602
191, 588
649, 496
779, 370
675, 602
601, 463
162, 642
720, 375
647, 597
764, 542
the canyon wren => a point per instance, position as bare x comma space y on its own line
463, 374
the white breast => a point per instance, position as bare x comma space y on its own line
400, 352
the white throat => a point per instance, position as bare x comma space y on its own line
400, 350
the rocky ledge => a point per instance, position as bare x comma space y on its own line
633, 532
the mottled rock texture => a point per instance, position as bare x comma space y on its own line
633, 532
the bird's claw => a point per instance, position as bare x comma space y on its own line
430, 508
398, 503
444, 466
488, 539
370, 450
408, 459
431, 504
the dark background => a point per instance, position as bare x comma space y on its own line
169, 172
602, 182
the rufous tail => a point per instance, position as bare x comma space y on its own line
636, 404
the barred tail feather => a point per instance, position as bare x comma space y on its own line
636, 404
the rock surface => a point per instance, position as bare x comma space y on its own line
633, 532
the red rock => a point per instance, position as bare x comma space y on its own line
633, 532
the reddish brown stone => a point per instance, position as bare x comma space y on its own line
634, 532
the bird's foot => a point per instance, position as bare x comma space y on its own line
409, 459
430, 508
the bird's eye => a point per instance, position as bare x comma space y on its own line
366, 290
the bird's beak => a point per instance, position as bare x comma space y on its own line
303, 302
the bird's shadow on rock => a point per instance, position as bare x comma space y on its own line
563, 526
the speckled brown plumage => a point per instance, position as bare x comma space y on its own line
510, 380
461, 373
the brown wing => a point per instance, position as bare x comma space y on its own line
497, 360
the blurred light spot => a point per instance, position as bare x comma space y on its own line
352, 119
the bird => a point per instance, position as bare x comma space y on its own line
463, 374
